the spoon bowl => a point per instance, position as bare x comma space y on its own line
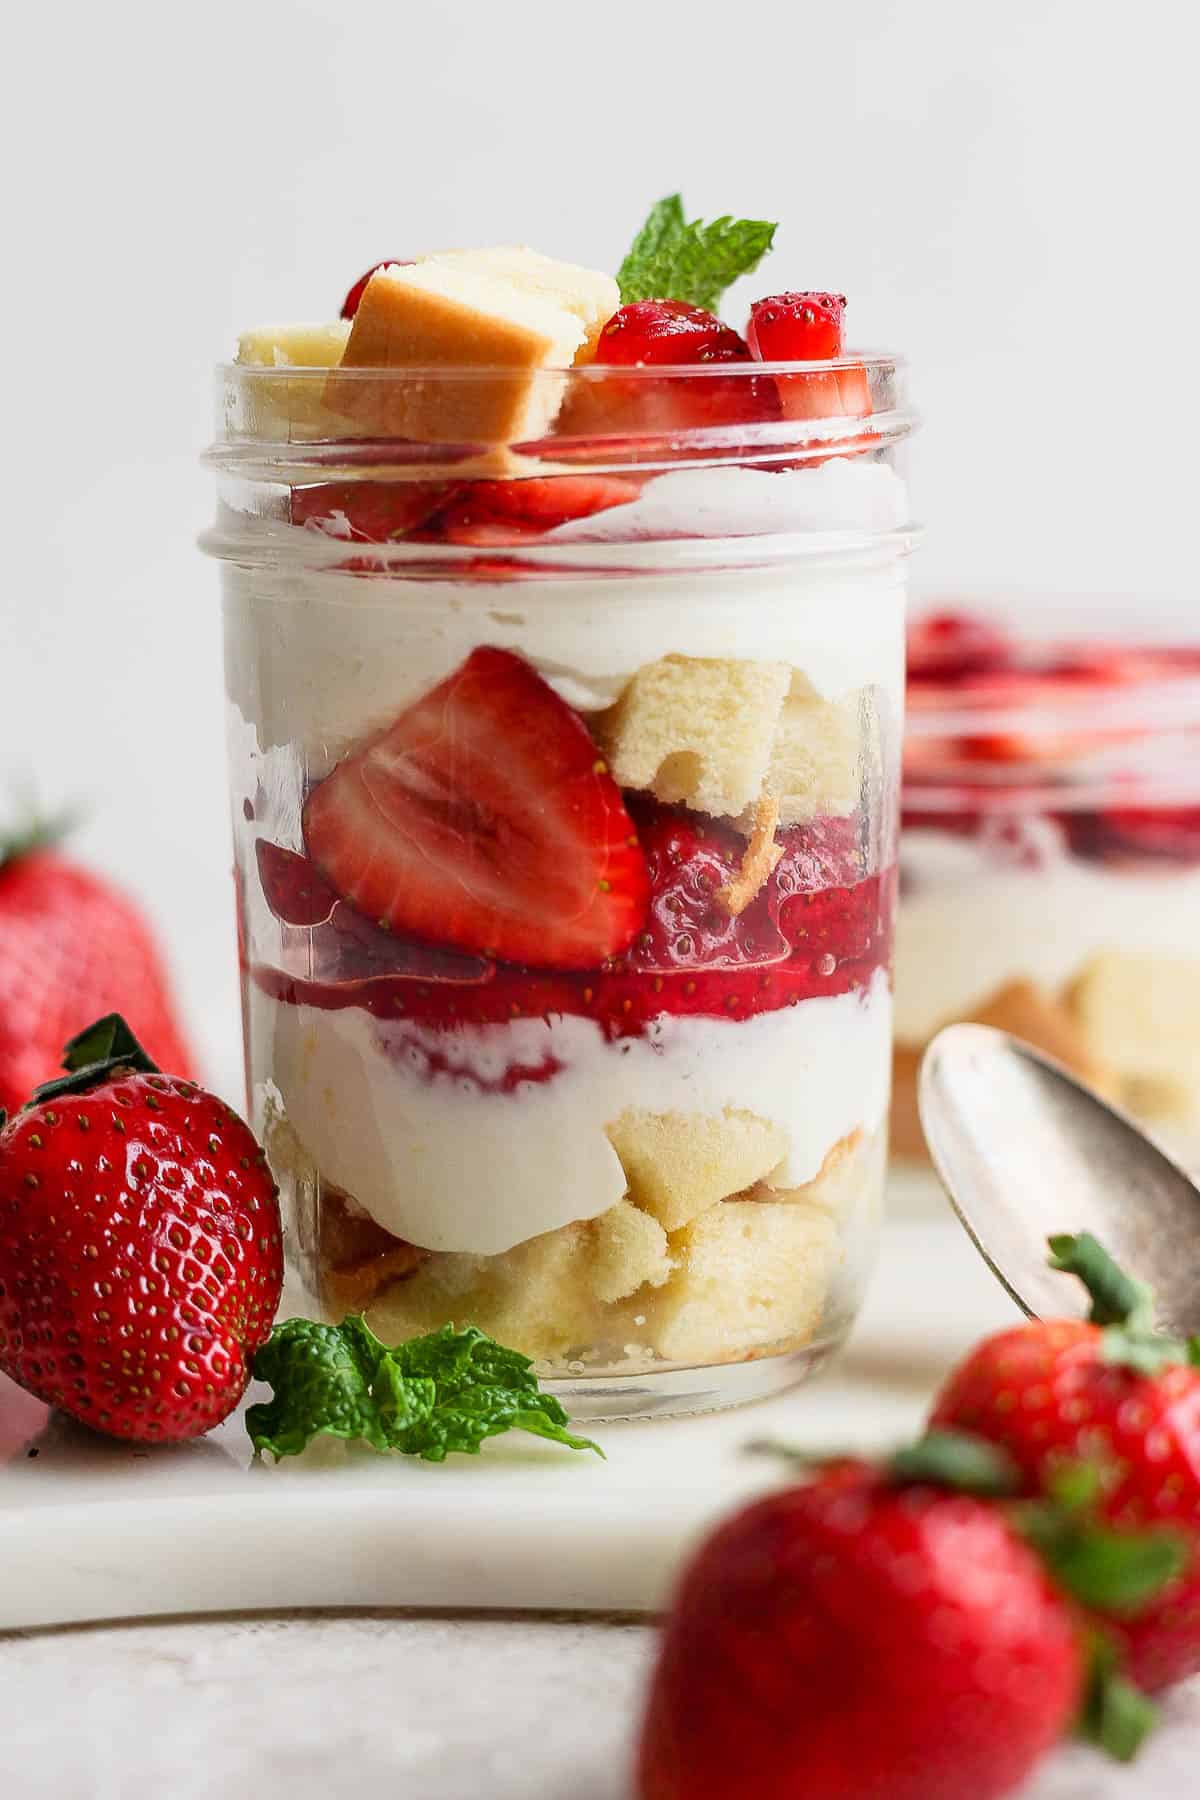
1024, 1151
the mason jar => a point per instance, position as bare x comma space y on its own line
1050, 856
564, 790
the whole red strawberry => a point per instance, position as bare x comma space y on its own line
862, 1637
1108, 1393
140, 1251
72, 947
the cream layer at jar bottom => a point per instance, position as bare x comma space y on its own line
763, 1271
443, 1145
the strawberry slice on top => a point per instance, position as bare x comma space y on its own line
672, 335
796, 327
484, 818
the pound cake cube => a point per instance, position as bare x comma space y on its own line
629, 1251
679, 1164
816, 759
535, 1298
1140, 1013
751, 1274
590, 294
294, 346
697, 731
429, 316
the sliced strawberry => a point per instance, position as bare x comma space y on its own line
816, 928
484, 819
295, 890
808, 328
665, 334
351, 302
370, 512
667, 331
508, 512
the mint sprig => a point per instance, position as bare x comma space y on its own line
674, 259
442, 1393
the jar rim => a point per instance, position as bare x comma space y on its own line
292, 424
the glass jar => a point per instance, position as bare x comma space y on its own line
564, 784
1050, 856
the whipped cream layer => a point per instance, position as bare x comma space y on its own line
319, 657
969, 923
442, 1162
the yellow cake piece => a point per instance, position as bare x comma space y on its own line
294, 346
590, 294
1140, 1013
697, 731
678, 1164
536, 1298
629, 1250
815, 768
428, 316
751, 1274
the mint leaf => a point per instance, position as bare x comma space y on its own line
672, 259
434, 1395
324, 1378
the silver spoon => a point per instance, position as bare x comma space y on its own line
1024, 1150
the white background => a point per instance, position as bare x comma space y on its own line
1005, 192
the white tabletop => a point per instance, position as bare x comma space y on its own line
308, 1708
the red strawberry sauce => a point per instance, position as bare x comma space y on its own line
819, 927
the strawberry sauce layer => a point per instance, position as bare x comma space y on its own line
818, 927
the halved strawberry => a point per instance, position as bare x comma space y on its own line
370, 512
484, 818
795, 327
817, 928
672, 335
667, 331
296, 892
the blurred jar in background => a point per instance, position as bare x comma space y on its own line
1050, 854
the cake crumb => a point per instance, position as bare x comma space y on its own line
758, 864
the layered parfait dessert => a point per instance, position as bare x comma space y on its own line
565, 644
1050, 862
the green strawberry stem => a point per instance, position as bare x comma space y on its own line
1117, 1299
33, 832
959, 1461
1117, 1717
99, 1053
1121, 1305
